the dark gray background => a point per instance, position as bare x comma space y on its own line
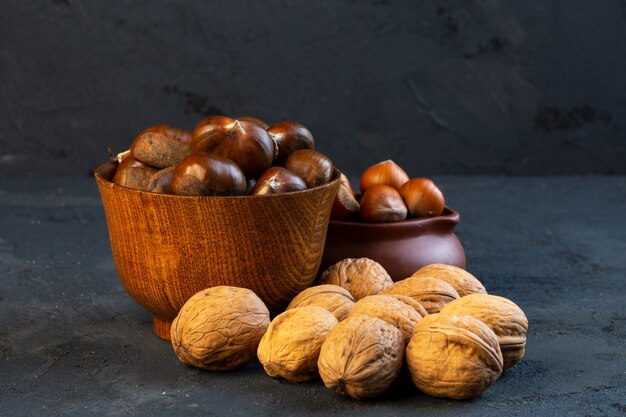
465, 87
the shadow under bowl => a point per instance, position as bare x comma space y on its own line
400, 247
166, 248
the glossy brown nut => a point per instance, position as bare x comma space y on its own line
345, 182
203, 174
382, 203
422, 198
290, 137
161, 146
132, 173
244, 142
345, 205
277, 180
313, 167
386, 173
161, 181
255, 120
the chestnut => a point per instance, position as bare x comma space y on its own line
382, 203
132, 173
161, 146
278, 180
313, 167
289, 137
422, 198
161, 181
206, 174
386, 172
255, 120
245, 143
345, 205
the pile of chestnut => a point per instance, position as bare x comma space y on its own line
224, 156
388, 195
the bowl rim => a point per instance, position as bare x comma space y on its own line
100, 178
448, 216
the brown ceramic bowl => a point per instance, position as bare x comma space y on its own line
166, 247
400, 247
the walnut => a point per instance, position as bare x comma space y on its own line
453, 356
360, 276
219, 328
361, 356
503, 316
432, 293
463, 282
291, 346
333, 298
395, 312
412, 302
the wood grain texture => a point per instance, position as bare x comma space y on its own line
166, 248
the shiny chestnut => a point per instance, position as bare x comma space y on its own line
313, 167
161, 146
422, 197
255, 120
290, 137
203, 174
244, 142
382, 203
278, 180
132, 173
345, 205
386, 172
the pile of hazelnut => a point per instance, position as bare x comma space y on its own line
357, 328
224, 156
388, 195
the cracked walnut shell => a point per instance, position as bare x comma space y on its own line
360, 276
219, 328
463, 282
503, 316
432, 293
361, 356
333, 298
291, 346
390, 309
455, 356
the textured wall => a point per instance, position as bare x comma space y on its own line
482, 86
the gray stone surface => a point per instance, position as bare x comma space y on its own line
72, 342
454, 86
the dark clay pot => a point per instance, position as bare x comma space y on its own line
400, 247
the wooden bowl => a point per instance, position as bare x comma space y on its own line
166, 247
400, 247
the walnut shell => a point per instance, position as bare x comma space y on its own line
453, 356
219, 328
291, 346
360, 276
361, 356
503, 316
463, 282
412, 302
333, 298
390, 309
432, 293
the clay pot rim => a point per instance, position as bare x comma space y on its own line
98, 174
449, 216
